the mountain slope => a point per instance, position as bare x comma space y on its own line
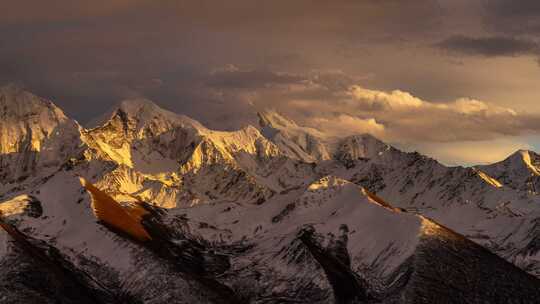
34, 135
337, 242
153, 207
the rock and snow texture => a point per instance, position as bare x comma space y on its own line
520, 171
312, 145
150, 206
295, 141
338, 242
34, 134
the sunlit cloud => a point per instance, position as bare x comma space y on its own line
344, 125
454, 131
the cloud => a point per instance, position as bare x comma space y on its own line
409, 118
470, 106
343, 125
513, 17
322, 62
490, 46
233, 77
378, 99
316, 101
19, 12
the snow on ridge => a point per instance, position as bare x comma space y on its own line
374, 226
488, 179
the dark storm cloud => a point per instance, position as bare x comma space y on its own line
87, 55
515, 17
333, 103
220, 61
507, 28
489, 46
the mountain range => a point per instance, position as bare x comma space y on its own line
149, 206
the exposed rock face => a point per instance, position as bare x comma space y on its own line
35, 272
169, 211
468, 272
127, 220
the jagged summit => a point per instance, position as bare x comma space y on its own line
142, 111
520, 170
526, 158
272, 121
271, 118
521, 158
17, 103
364, 146
312, 145
10, 87
34, 134
137, 104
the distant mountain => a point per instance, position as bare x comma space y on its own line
520, 171
34, 134
311, 145
149, 206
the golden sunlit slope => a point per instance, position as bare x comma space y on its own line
112, 213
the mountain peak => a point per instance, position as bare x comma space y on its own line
520, 170
136, 105
367, 140
530, 159
143, 111
310, 144
11, 88
360, 146
521, 153
271, 118
142, 108
18, 106
30, 124
17, 103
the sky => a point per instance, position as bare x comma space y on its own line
454, 79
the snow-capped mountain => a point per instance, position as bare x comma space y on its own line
520, 171
34, 134
312, 145
162, 154
149, 206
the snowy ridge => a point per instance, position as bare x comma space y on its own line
278, 213
311, 145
